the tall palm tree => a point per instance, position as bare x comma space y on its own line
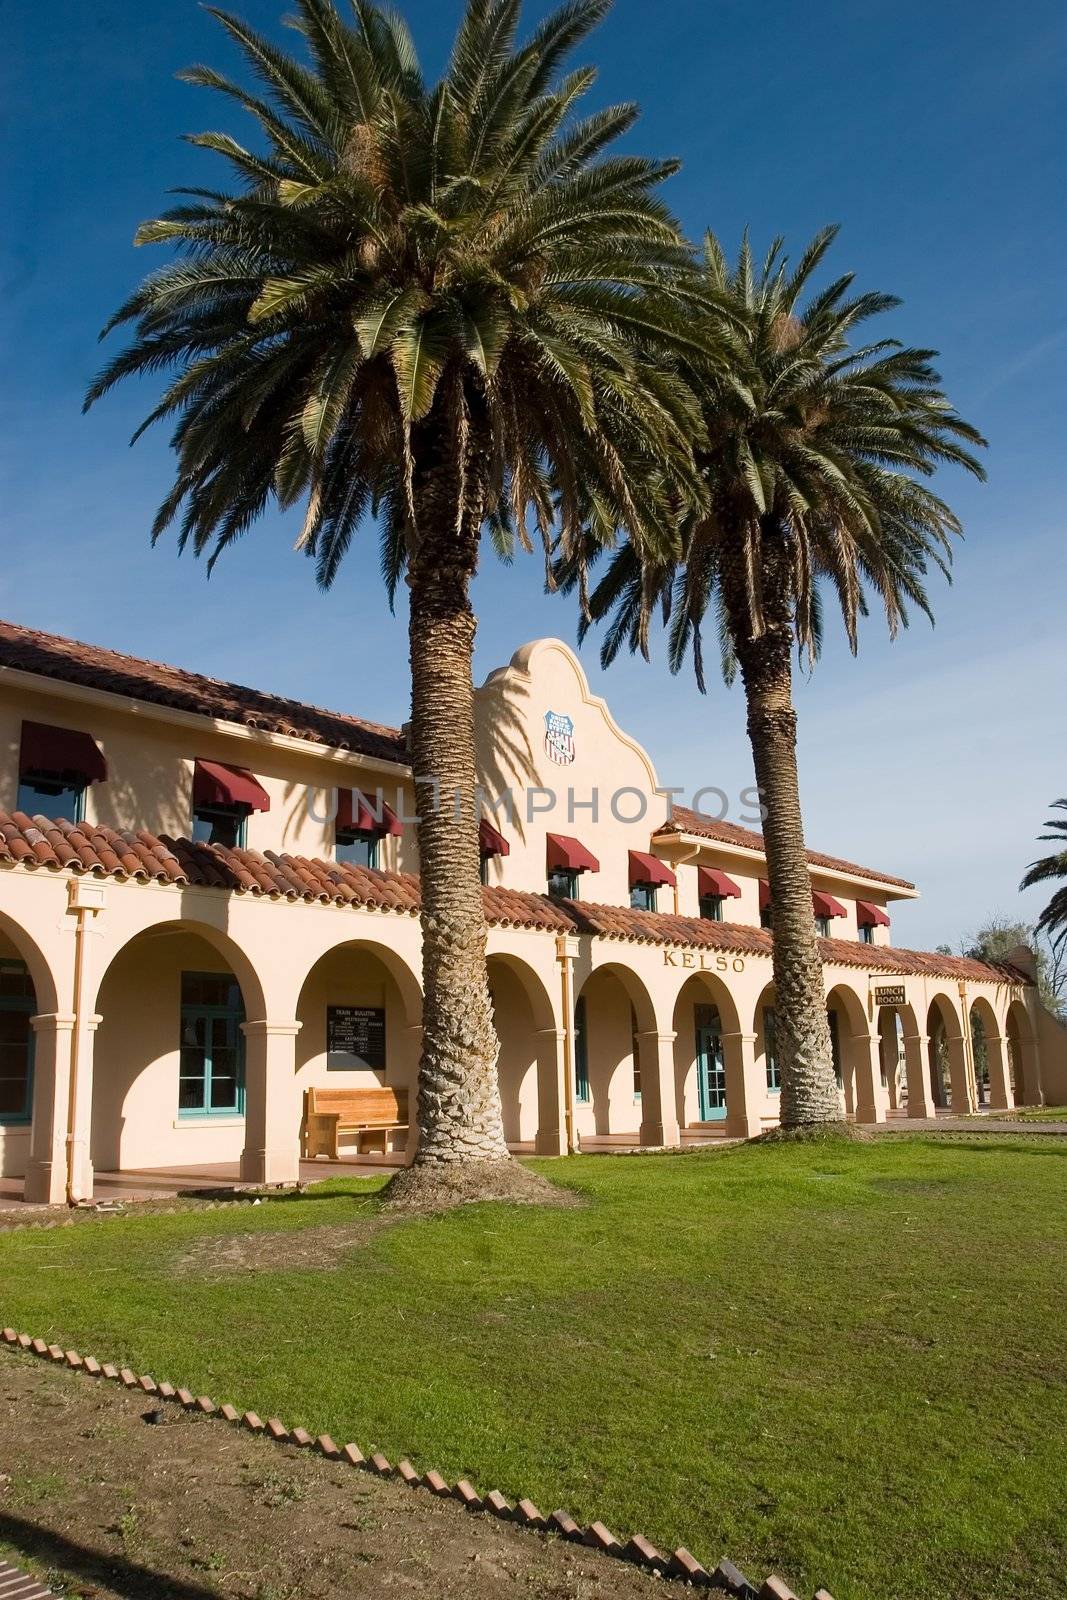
1053, 920
815, 446
443, 307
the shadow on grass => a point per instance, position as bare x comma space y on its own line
991, 1145
79, 1561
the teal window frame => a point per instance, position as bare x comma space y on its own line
44, 790
354, 840
563, 883
581, 1053
233, 1015
205, 818
26, 1004
822, 927
770, 1051
711, 907
643, 897
866, 933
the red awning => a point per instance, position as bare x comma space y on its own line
490, 842
216, 785
567, 855
649, 869
61, 753
363, 813
764, 894
710, 881
869, 916
825, 905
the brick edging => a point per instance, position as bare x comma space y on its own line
637, 1550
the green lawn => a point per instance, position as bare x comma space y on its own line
845, 1363
1037, 1114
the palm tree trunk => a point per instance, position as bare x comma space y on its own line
809, 1089
459, 1112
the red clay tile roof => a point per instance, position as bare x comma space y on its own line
46, 654
36, 842
685, 821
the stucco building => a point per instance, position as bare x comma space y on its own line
227, 915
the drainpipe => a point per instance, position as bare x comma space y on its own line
683, 861
564, 958
74, 1083
968, 1048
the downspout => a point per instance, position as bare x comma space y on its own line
968, 1049
74, 1083
683, 861
564, 960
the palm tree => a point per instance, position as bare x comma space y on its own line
1053, 920
810, 471
441, 307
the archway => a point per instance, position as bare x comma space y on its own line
858, 1076
947, 1057
892, 1055
986, 1053
710, 1087
26, 989
1022, 1056
359, 1012
767, 1060
529, 1061
612, 1010
168, 1076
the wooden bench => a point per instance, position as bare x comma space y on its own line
331, 1113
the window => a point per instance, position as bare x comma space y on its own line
822, 927
711, 907
564, 883
835, 1046
581, 1053
17, 1006
770, 1051
765, 917
643, 897
866, 933
483, 869
225, 825
45, 797
357, 847
211, 1071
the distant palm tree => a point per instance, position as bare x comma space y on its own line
448, 307
809, 469
1053, 920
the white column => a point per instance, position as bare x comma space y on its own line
551, 1138
46, 1171
870, 1097
659, 1111
916, 1062
746, 1086
272, 1103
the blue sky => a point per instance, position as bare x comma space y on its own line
933, 134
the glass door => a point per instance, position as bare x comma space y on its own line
711, 1067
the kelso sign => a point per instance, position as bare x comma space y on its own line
702, 961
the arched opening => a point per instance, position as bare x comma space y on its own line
24, 976
1022, 1056
892, 1057
168, 1081
946, 1057
360, 1014
767, 1060
526, 1027
984, 1045
611, 1010
708, 1068
846, 1016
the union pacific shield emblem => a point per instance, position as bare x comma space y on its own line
559, 738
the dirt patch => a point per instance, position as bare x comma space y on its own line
439, 1185
293, 1249
107, 1506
